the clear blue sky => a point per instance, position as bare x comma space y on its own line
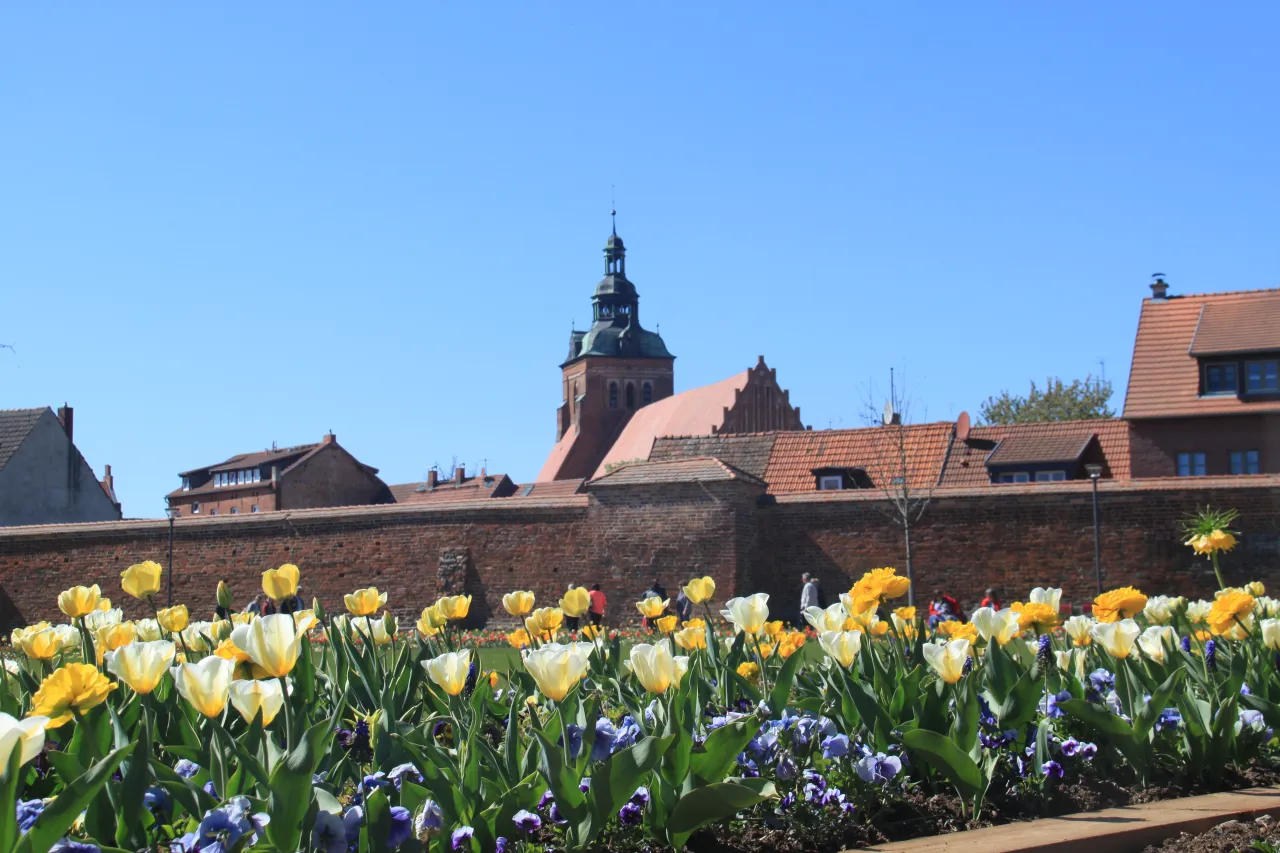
227, 224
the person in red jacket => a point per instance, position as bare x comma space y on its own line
990, 600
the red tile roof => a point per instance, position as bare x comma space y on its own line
967, 460
549, 489
881, 451
252, 460
698, 411
745, 451
555, 459
703, 469
1164, 380
1023, 449
471, 489
1238, 327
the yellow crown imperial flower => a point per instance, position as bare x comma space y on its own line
365, 602
142, 580
69, 690
79, 600
281, 583
173, 619
576, 602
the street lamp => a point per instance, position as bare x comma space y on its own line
1095, 473
172, 512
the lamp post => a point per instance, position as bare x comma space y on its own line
1095, 473
173, 514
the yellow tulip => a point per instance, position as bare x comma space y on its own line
906, 614
1123, 603
450, 670
1256, 588
249, 697
791, 643
69, 690
748, 614
576, 602
666, 624
79, 600
700, 590
114, 637
281, 583
829, 619
1078, 629
691, 637
435, 616
142, 580
544, 621
652, 607
243, 618
141, 665
230, 651
1159, 609
196, 636
26, 736
40, 644
999, 625
519, 639
842, 646
1117, 638
775, 628
173, 619
424, 625
947, 659
365, 602
519, 603
273, 642
104, 603
205, 684
455, 607
656, 668
557, 668
590, 632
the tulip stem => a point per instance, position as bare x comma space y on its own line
288, 714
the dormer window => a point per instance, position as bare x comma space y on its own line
1221, 378
840, 479
1262, 376
830, 483
186, 484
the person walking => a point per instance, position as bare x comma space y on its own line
684, 607
808, 595
598, 604
261, 606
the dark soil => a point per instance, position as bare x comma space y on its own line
1226, 837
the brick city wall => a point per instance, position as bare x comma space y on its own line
622, 537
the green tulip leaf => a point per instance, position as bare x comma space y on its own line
943, 755
58, 816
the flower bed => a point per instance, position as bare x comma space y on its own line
728, 731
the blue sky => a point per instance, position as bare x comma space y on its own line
230, 224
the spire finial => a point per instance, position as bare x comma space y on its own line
613, 205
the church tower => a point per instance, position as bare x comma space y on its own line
614, 368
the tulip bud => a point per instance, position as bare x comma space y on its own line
224, 595
389, 623
317, 609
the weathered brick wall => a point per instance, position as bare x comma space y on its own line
623, 536
1014, 539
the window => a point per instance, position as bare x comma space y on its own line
613, 395
831, 483
1050, 476
257, 475
241, 476
631, 396
195, 508
1220, 379
253, 508
186, 484
1244, 462
646, 393
235, 510
213, 512
1262, 377
1190, 464
1016, 477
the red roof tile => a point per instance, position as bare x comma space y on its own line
1238, 327
878, 450
745, 451
967, 461
1164, 380
471, 489
698, 411
549, 489
703, 469
555, 459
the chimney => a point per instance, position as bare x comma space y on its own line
431, 479
1159, 287
108, 480
459, 474
329, 438
275, 476
66, 417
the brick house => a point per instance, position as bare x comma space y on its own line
303, 477
1204, 388
618, 389
459, 487
43, 477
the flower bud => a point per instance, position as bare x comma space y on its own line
317, 609
224, 595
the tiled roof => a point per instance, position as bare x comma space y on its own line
550, 489
702, 469
471, 489
747, 451
1164, 380
1238, 327
878, 450
15, 424
698, 411
967, 460
254, 460
1024, 448
559, 453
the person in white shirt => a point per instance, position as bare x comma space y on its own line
808, 595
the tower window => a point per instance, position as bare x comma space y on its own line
646, 393
631, 396
613, 395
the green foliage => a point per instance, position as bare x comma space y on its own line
1084, 399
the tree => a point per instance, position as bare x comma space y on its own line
1082, 400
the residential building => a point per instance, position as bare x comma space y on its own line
43, 477
1204, 388
324, 474
459, 487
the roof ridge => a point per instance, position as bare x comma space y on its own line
1177, 296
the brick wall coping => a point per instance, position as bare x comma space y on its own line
389, 512
1022, 490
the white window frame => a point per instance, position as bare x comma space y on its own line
253, 508
1015, 478
257, 475
195, 507
1055, 476
831, 483
213, 511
